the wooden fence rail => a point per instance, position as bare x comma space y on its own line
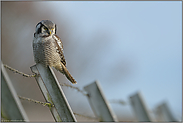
140, 108
99, 104
163, 113
53, 93
11, 107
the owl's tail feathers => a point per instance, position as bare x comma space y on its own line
68, 75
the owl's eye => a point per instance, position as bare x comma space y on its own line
45, 28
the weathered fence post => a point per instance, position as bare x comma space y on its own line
53, 93
140, 108
98, 103
11, 107
164, 114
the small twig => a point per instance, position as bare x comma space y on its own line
16, 71
76, 88
89, 117
38, 102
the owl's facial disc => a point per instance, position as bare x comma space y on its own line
46, 28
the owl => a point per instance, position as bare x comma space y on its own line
48, 48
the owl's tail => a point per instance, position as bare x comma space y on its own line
68, 75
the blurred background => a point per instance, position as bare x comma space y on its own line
126, 46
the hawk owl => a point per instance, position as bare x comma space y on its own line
48, 48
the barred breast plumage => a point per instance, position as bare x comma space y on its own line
45, 52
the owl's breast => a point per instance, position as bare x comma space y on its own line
45, 52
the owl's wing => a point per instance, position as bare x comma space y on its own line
59, 48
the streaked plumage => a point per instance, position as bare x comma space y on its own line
48, 48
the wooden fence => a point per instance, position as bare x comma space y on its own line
12, 109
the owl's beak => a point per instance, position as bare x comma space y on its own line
50, 32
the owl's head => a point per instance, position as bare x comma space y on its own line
46, 28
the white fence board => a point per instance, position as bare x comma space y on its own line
11, 107
53, 93
98, 103
164, 114
140, 108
